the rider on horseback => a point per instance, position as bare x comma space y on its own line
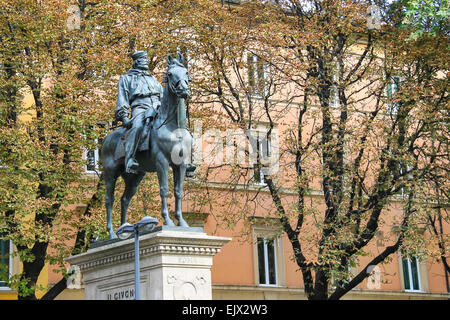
141, 92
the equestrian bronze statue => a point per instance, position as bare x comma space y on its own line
153, 136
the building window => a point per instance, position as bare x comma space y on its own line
268, 252
391, 89
343, 276
263, 145
334, 92
92, 157
256, 78
267, 261
411, 273
405, 177
92, 160
263, 152
5, 262
93, 147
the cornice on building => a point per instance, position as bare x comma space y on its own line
276, 292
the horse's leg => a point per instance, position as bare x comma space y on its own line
178, 179
110, 181
132, 182
162, 170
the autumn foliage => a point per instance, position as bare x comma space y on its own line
361, 116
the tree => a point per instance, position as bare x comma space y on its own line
42, 143
68, 56
427, 17
356, 136
367, 107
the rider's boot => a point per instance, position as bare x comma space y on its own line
131, 164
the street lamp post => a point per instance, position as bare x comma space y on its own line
124, 232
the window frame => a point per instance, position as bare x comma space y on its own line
274, 241
258, 87
269, 228
334, 91
403, 192
353, 270
410, 279
3, 285
391, 91
98, 142
263, 151
96, 159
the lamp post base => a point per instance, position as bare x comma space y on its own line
175, 264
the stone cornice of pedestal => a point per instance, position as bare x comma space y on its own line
162, 242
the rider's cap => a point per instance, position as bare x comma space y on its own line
139, 54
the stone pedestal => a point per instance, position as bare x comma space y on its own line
175, 263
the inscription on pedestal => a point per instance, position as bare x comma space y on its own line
126, 294
187, 260
124, 289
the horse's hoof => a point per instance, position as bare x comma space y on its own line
169, 223
182, 223
112, 235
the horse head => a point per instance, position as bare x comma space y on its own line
177, 76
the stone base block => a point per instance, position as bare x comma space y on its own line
175, 263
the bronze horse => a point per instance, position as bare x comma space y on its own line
170, 145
